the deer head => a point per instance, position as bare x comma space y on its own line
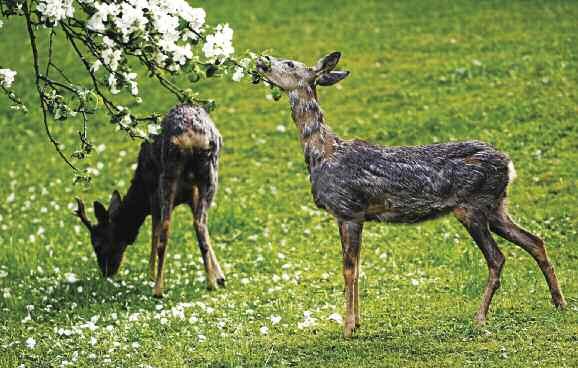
108, 249
290, 75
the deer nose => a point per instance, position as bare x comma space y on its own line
263, 64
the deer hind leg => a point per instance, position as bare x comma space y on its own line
154, 239
350, 234
477, 225
201, 200
167, 192
356, 290
502, 224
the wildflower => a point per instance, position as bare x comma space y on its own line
30, 343
275, 319
264, 330
308, 321
335, 317
70, 278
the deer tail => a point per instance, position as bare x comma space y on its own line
192, 139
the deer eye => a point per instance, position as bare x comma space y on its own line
290, 64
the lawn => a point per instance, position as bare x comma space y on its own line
421, 72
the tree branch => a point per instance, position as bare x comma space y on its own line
37, 80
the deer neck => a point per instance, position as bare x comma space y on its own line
316, 137
134, 209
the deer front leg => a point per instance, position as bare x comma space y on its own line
167, 190
350, 233
201, 199
356, 291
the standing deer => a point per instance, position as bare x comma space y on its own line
179, 167
357, 181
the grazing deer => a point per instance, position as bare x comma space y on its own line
357, 181
180, 166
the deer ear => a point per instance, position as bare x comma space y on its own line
328, 62
80, 213
114, 205
329, 79
101, 213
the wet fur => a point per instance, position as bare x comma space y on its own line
180, 166
357, 181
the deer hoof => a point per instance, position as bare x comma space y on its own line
348, 331
213, 284
349, 328
560, 304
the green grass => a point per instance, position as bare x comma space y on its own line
422, 72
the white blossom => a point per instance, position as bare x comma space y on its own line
103, 11
220, 43
264, 330
112, 58
112, 84
7, 77
55, 10
95, 66
238, 74
154, 129
131, 79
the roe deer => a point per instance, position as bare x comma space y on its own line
357, 181
180, 166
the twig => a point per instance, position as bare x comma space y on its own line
37, 80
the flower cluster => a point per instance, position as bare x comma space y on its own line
7, 77
54, 11
220, 43
169, 29
110, 38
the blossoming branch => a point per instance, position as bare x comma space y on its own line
117, 43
